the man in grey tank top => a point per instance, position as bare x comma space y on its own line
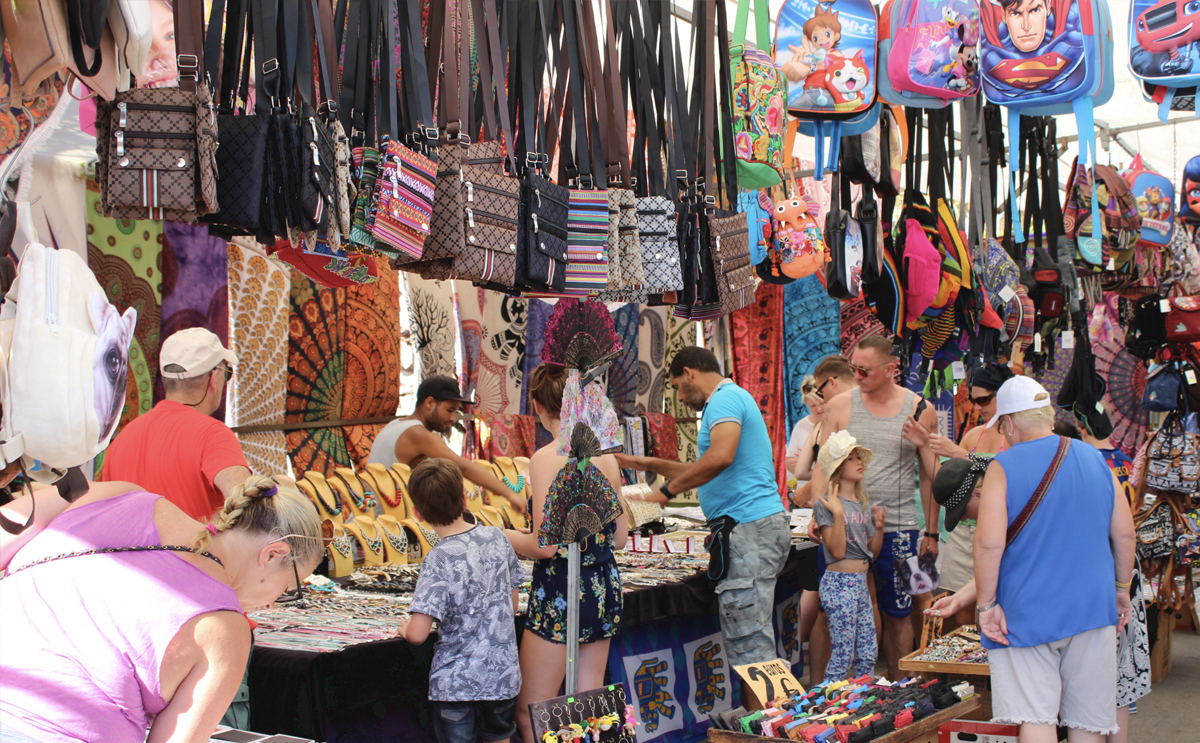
414, 438
879, 414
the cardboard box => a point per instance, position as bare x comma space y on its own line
968, 731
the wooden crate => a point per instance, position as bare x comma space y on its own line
931, 629
921, 731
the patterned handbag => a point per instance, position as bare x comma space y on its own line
542, 252
365, 174
659, 238
491, 213
587, 243
317, 171
156, 154
759, 101
662, 436
625, 272
405, 196
730, 248
1172, 459
1155, 532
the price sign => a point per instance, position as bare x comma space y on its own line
1068, 339
769, 681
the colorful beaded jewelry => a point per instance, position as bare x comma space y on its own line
519, 487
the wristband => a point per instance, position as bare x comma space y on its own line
932, 535
665, 490
987, 607
1125, 585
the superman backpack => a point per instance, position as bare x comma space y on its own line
1164, 48
1054, 61
1155, 197
934, 48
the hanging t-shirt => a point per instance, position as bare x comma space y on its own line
1121, 465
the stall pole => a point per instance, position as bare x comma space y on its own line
572, 682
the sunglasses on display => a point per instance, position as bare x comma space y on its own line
982, 401
326, 539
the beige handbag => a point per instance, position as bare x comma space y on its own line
40, 46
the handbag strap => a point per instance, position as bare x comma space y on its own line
189, 41
1018, 524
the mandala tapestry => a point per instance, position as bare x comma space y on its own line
811, 332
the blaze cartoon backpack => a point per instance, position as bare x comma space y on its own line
1164, 48
1155, 197
934, 48
64, 362
1053, 63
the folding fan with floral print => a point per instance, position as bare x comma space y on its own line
581, 336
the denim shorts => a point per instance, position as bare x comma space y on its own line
467, 722
746, 597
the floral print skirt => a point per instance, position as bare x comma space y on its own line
600, 599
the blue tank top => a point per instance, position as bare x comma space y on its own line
1057, 579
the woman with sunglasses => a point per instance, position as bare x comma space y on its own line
124, 615
958, 561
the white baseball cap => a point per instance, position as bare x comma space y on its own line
1017, 394
191, 353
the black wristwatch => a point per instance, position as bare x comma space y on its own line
665, 490
932, 535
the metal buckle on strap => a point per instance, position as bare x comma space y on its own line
269, 66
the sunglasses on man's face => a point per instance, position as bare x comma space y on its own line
982, 401
821, 390
862, 371
326, 538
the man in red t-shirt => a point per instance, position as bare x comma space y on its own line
178, 450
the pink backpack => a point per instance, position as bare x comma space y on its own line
922, 271
935, 51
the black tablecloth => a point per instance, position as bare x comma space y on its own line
301, 693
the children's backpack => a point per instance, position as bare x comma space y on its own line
1045, 286
799, 244
1154, 195
759, 101
889, 19
758, 209
934, 50
1000, 277
1122, 226
922, 270
1063, 64
64, 363
1163, 49
844, 239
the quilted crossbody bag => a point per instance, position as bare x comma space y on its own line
242, 153
491, 213
736, 278
156, 153
659, 238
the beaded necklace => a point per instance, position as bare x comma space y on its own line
115, 550
430, 535
368, 500
376, 544
336, 508
342, 544
399, 542
398, 502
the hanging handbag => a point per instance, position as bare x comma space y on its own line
241, 155
1164, 389
1155, 532
156, 147
1172, 459
39, 40
1183, 321
843, 238
759, 101
736, 279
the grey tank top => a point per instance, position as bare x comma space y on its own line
383, 450
891, 477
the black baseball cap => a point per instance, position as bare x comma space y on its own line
953, 485
441, 388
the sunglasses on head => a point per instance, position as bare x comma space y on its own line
326, 538
982, 401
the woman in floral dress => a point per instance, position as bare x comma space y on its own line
543, 647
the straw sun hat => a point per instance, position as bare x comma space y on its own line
837, 448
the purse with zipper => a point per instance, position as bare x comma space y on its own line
156, 148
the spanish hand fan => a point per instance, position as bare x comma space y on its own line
580, 335
581, 501
587, 405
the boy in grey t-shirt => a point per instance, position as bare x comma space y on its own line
468, 584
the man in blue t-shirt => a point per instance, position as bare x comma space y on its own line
735, 476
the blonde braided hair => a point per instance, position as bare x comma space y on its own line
273, 506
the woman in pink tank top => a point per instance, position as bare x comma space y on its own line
123, 615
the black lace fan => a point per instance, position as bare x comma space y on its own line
581, 501
580, 335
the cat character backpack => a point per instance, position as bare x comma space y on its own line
827, 51
64, 363
934, 48
1164, 48
1155, 197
